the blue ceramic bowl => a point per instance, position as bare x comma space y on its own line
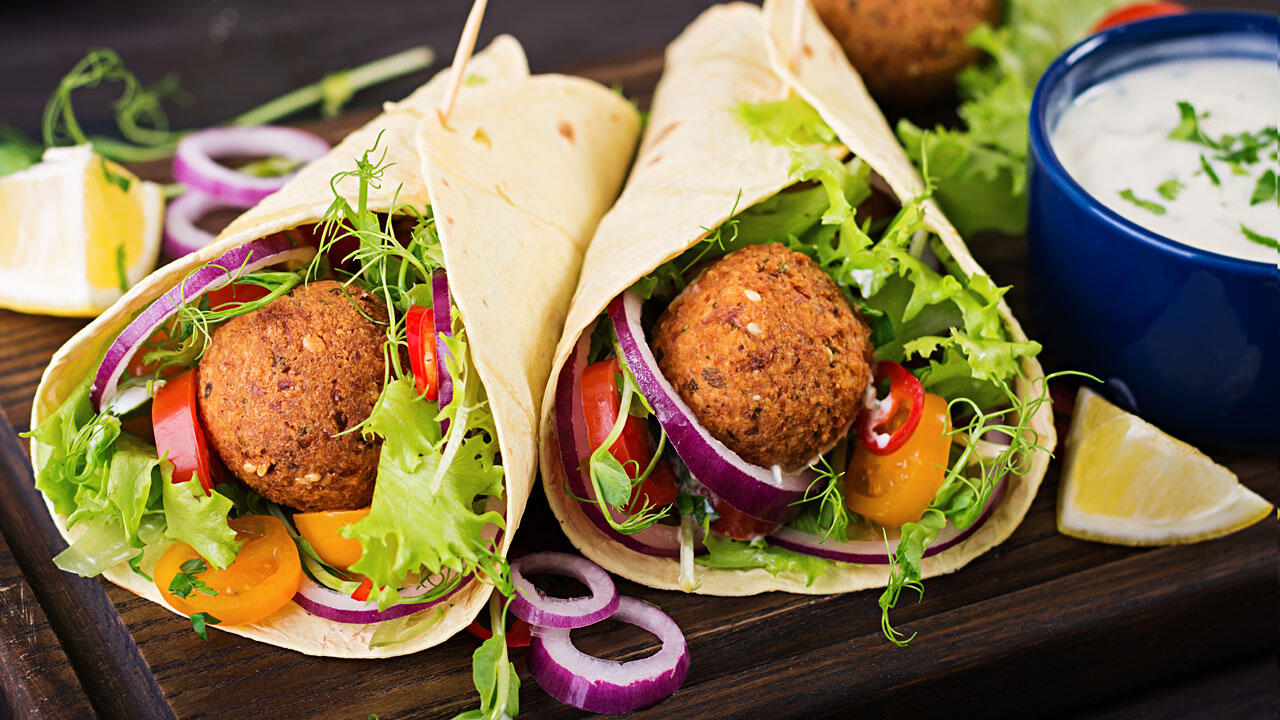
1188, 338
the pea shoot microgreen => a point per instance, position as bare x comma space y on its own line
614, 483
969, 482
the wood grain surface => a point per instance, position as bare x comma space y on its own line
1041, 626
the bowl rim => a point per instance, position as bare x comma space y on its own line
1128, 35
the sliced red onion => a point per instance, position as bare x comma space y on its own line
341, 608
658, 540
608, 686
195, 167
250, 257
764, 493
181, 235
442, 315
874, 551
536, 608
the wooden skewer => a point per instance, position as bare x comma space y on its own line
797, 34
466, 45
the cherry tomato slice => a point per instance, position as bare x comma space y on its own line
421, 330
180, 437
600, 407
321, 530
1137, 11
263, 578
734, 523
519, 634
894, 489
885, 429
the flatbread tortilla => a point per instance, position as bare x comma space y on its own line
505, 226
696, 164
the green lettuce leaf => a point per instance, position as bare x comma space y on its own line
114, 483
789, 122
979, 173
730, 554
424, 511
197, 519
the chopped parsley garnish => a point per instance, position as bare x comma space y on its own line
1267, 188
1169, 189
1188, 128
185, 582
200, 622
1260, 238
1208, 171
1147, 205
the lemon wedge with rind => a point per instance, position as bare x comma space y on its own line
1126, 482
76, 231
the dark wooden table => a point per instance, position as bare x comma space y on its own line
1042, 626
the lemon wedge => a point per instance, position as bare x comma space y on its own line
1125, 482
76, 231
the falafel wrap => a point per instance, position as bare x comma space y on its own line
319, 431
782, 369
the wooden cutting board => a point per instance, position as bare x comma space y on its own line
1041, 626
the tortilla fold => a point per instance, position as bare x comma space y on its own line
512, 245
697, 165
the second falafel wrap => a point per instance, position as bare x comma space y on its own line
782, 369
319, 431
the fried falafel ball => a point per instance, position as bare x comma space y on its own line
278, 385
908, 51
768, 354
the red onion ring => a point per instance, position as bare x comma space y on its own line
195, 167
340, 608
875, 552
442, 316
764, 493
251, 256
536, 608
181, 235
657, 540
608, 686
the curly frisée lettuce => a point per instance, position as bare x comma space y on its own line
980, 172
448, 478
115, 487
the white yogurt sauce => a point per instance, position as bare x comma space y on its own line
1115, 138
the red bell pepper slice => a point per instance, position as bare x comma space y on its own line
362, 593
876, 426
600, 406
421, 329
180, 437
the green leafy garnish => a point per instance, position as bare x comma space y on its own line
823, 501
1260, 238
1188, 127
1265, 189
1208, 171
1169, 189
184, 581
122, 275
980, 172
1147, 205
200, 622
725, 553
786, 122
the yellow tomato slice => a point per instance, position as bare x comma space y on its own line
263, 578
321, 530
892, 490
